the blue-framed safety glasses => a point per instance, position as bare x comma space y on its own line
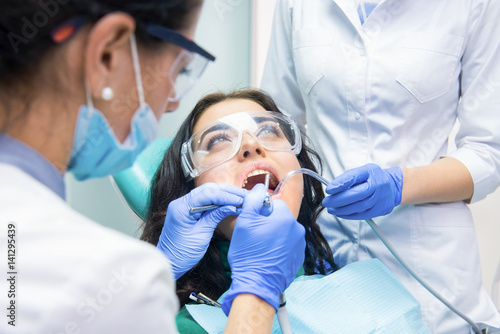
189, 65
184, 72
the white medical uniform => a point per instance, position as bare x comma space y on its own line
389, 92
73, 275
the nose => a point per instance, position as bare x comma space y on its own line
250, 148
172, 106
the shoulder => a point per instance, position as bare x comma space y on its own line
75, 271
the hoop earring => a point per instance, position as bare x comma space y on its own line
107, 94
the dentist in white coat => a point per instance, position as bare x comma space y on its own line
72, 99
379, 85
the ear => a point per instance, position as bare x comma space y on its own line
108, 44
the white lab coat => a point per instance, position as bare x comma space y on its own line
73, 275
389, 92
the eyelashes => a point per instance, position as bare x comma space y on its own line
217, 138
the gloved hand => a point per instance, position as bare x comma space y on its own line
185, 236
266, 252
364, 192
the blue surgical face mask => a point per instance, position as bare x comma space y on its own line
96, 150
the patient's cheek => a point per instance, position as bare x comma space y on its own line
219, 174
292, 195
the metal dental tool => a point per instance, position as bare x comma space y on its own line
266, 210
266, 205
202, 299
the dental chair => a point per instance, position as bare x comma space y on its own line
134, 183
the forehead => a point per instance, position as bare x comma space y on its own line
225, 108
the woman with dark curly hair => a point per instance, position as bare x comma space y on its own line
257, 155
235, 141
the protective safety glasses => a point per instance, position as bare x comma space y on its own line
185, 72
220, 141
190, 63
186, 69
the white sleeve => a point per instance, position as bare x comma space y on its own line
478, 139
279, 78
141, 293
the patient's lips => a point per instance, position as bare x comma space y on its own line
256, 173
259, 176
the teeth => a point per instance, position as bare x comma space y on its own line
253, 173
272, 179
257, 172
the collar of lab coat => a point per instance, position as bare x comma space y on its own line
15, 153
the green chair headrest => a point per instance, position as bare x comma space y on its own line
134, 183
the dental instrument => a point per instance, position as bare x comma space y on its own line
283, 318
266, 205
387, 244
203, 208
266, 210
284, 321
202, 299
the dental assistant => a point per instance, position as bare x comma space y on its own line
72, 99
379, 85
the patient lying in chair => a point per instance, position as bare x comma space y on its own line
237, 139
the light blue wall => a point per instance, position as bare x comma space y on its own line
224, 31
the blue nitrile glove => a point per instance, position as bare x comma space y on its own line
185, 236
266, 252
364, 192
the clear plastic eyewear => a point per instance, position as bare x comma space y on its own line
189, 64
186, 69
220, 141
185, 72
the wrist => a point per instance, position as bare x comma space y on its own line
396, 173
250, 314
248, 283
177, 271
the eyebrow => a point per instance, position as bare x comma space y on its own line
220, 126
262, 119
223, 126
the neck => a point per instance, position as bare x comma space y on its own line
46, 125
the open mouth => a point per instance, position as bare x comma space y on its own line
259, 176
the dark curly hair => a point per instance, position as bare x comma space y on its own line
169, 184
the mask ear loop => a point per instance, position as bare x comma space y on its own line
137, 71
88, 95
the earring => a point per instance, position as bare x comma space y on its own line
107, 94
